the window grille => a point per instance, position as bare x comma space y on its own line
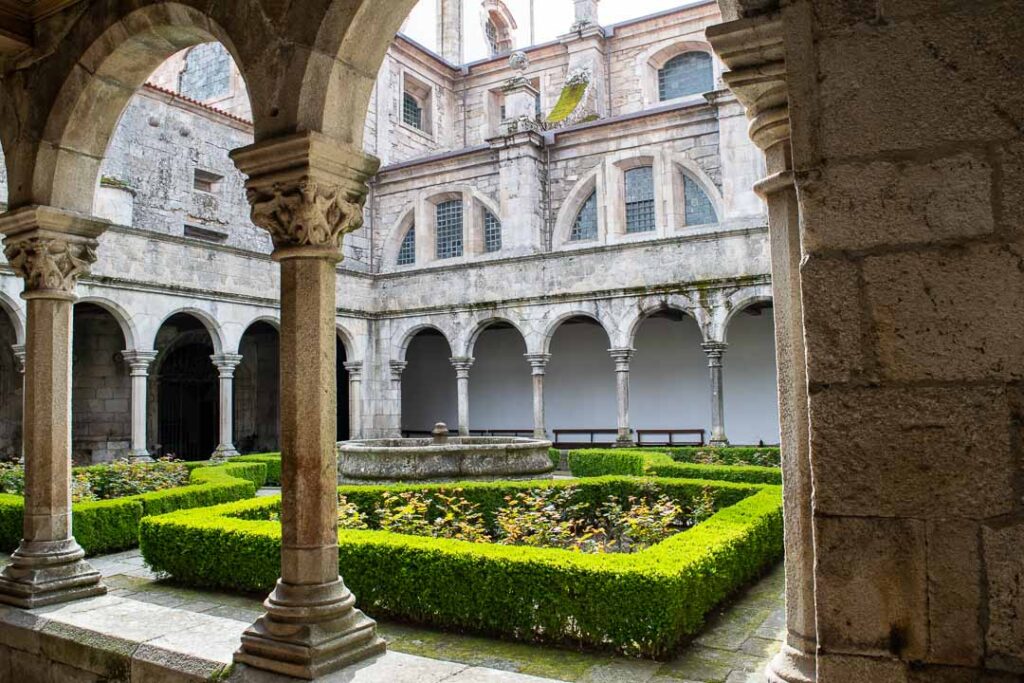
492, 37
207, 72
449, 229
407, 251
412, 112
687, 74
640, 199
492, 232
699, 209
585, 226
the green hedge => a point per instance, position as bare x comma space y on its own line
272, 462
556, 457
641, 604
107, 526
655, 463
764, 456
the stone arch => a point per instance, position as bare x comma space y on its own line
734, 304
409, 334
395, 238
123, 319
591, 182
207, 320
14, 312
677, 303
268, 319
683, 164
90, 100
655, 57
552, 327
498, 14
347, 342
467, 345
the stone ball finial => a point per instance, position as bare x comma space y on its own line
440, 433
519, 61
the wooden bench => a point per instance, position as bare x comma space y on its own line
670, 437
420, 434
591, 440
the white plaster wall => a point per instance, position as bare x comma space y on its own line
428, 385
580, 384
669, 380
500, 384
751, 399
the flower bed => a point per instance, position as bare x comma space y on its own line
644, 603
104, 526
650, 462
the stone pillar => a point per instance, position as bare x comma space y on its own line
397, 368
754, 50
622, 358
355, 398
462, 366
226, 364
138, 366
307, 191
715, 351
19, 357
538, 366
49, 248
449, 30
520, 99
586, 14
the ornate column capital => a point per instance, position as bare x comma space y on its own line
50, 248
397, 368
538, 362
622, 357
139, 361
19, 356
462, 365
226, 363
354, 369
307, 190
714, 350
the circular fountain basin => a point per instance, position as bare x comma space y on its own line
458, 458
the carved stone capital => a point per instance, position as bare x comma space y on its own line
307, 191
354, 369
714, 351
622, 357
462, 366
139, 361
397, 368
50, 248
19, 355
226, 363
538, 362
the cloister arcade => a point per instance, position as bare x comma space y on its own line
898, 324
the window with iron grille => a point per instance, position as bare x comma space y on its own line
207, 72
687, 74
412, 112
585, 226
492, 37
449, 229
492, 232
407, 251
699, 209
640, 199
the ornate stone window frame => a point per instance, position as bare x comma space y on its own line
616, 167
591, 183
652, 61
495, 12
680, 165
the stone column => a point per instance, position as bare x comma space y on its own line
715, 351
226, 364
355, 398
586, 14
49, 248
622, 358
138, 366
19, 357
397, 368
307, 191
538, 366
462, 366
754, 51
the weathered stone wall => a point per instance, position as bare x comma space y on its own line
907, 121
11, 385
100, 388
256, 391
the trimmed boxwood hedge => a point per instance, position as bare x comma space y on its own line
107, 526
272, 461
643, 604
764, 456
654, 463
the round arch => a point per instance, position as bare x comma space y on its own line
591, 182
646, 312
683, 164
408, 335
207, 320
655, 57
469, 345
552, 328
124, 321
9, 306
347, 342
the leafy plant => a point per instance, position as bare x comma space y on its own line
349, 515
12, 478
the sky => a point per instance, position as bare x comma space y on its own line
553, 18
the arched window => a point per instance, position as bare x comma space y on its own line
207, 72
585, 226
492, 232
491, 32
449, 229
698, 207
687, 74
640, 199
407, 252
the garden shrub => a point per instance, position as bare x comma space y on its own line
556, 457
647, 462
272, 461
764, 456
104, 526
646, 603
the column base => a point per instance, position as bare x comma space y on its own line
791, 666
223, 453
45, 573
309, 631
719, 443
141, 455
624, 442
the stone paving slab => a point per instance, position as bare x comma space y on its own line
199, 631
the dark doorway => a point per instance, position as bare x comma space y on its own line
342, 384
188, 403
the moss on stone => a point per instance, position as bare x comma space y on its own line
567, 102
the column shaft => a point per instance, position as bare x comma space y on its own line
226, 364
538, 365
462, 366
138, 365
622, 358
355, 399
715, 352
